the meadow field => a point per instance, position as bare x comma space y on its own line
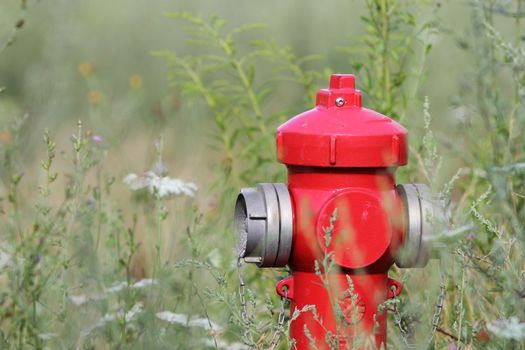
127, 129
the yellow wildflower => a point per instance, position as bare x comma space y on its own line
135, 81
6, 137
95, 97
85, 69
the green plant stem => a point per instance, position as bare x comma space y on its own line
461, 303
385, 36
212, 104
251, 95
16, 211
99, 208
237, 66
158, 264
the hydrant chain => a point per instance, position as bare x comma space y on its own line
398, 321
280, 322
244, 308
439, 308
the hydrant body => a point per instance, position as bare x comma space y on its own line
342, 223
361, 245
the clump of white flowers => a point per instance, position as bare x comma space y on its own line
156, 180
128, 316
162, 186
510, 328
79, 300
186, 320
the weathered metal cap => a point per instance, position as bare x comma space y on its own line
264, 225
338, 132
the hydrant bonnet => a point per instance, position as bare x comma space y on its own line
340, 133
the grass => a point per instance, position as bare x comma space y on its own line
88, 260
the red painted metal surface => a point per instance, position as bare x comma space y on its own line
346, 136
342, 156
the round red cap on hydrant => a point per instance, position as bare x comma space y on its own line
340, 222
338, 132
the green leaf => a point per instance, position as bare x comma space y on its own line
250, 74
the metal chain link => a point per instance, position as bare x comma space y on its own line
435, 318
244, 309
439, 308
398, 320
280, 323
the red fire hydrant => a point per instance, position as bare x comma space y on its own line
340, 223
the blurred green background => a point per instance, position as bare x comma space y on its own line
114, 40
40, 71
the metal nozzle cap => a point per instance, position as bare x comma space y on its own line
264, 224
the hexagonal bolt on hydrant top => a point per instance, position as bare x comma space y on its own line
341, 201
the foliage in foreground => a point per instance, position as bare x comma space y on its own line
78, 272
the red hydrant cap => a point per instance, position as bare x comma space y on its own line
338, 132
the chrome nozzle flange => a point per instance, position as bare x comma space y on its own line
424, 213
264, 224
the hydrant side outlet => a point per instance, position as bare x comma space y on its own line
264, 224
341, 202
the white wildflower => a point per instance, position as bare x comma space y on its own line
5, 257
144, 283
204, 323
117, 287
225, 345
47, 336
172, 317
162, 186
133, 312
109, 317
79, 300
185, 320
135, 182
510, 328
